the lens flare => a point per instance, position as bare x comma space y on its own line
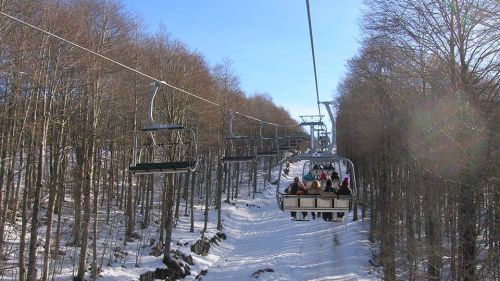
449, 137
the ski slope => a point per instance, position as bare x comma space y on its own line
265, 244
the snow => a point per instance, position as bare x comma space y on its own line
261, 237
263, 243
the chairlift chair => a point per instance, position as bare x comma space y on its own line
284, 142
163, 148
296, 139
324, 202
268, 147
285, 145
238, 148
312, 120
324, 142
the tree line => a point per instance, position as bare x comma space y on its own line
419, 115
66, 134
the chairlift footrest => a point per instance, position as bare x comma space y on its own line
162, 168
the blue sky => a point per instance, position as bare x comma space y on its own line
267, 41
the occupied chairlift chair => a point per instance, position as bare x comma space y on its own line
325, 202
163, 148
323, 139
309, 166
238, 148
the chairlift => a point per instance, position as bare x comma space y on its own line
238, 148
323, 139
268, 147
312, 120
326, 201
284, 142
296, 139
163, 148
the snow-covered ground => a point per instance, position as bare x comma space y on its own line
263, 243
263, 239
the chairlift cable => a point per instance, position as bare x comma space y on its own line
313, 56
139, 72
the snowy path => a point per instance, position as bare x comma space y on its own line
261, 237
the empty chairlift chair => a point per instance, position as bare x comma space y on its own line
268, 147
238, 148
296, 140
284, 142
163, 148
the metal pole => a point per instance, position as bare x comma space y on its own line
312, 137
332, 119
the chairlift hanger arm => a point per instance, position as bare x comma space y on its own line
156, 85
153, 125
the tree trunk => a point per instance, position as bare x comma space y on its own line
36, 198
411, 246
29, 172
191, 201
52, 196
269, 168
60, 203
432, 231
130, 207
254, 170
387, 227
355, 203
218, 196
467, 232
180, 185
208, 184
229, 184
95, 267
373, 211
235, 194
88, 183
77, 200
163, 211
168, 217
185, 194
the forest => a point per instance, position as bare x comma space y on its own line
417, 113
